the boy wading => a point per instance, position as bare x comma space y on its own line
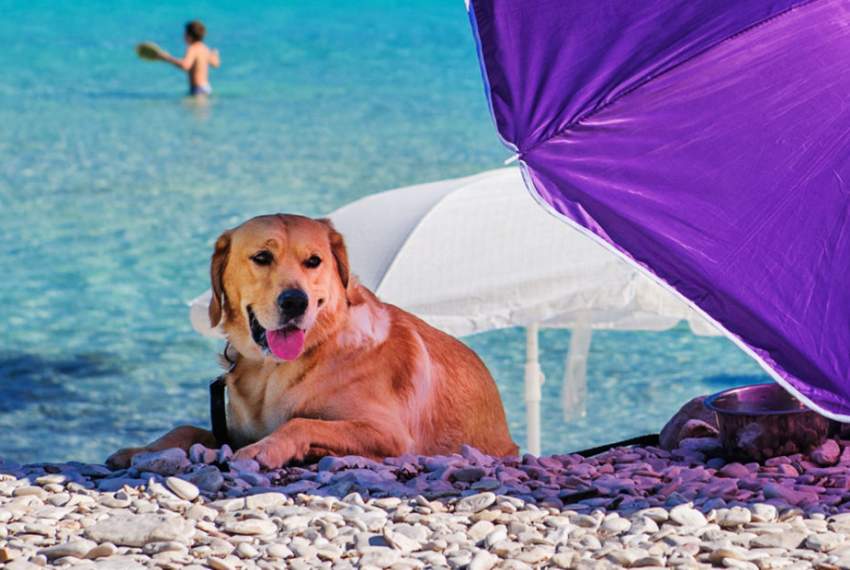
197, 59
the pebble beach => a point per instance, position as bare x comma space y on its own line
628, 507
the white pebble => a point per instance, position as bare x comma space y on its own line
183, 489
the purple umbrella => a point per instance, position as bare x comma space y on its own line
708, 142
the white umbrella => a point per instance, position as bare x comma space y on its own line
478, 253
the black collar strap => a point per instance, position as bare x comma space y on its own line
218, 409
218, 401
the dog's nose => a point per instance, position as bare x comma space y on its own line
292, 303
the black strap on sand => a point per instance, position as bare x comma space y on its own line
650, 439
218, 410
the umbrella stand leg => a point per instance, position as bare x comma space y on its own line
574, 390
533, 393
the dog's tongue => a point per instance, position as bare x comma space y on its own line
286, 344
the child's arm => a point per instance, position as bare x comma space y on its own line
185, 64
215, 61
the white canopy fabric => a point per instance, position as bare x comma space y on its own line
479, 253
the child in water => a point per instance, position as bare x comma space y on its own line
196, 60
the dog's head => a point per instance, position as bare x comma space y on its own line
279, 285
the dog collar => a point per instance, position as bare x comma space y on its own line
218, 402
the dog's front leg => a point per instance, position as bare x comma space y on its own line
183, 437
296, 438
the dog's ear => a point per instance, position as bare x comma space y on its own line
217, 265
339, 252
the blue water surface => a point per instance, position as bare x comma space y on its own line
113, 187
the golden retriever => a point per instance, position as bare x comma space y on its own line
325, 368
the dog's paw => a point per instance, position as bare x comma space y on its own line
272, 452
122, 458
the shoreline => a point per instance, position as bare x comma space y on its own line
628, 507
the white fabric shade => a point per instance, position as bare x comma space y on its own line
478, 253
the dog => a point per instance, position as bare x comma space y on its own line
322, 367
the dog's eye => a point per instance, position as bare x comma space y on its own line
312, 262
262, 258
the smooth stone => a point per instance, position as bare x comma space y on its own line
615, 525
264, 501
39, 528
780, 539
200, 512
221, 563
76, 549
762, 512
118, 483
138, 530
58, 499
479, 531
246, 551
482, 560
279, 551
651, 561
165, 462
626, 557
475, 503
208, 479
244, 466
382, 558
734, 470
824, 541
153, 548
29, 490
118, 500
400, 542
51, 479
251, 527
792, 497
687, 516
103, 550
720, 552
118, 563
535, 555
734, 517
475, 456
198, 453
332, 464
742, 564
299, 487
564, 559
656, 514
225, 454
183, 489
498, 534
468, 474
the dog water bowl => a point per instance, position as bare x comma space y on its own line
764, 420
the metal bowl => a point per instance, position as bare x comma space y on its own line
763, 420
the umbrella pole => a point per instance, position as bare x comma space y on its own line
533, 392
574, 390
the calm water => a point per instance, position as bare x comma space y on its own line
113, 188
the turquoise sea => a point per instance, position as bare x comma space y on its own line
113, 187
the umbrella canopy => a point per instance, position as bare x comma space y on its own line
708, 142
479, 253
